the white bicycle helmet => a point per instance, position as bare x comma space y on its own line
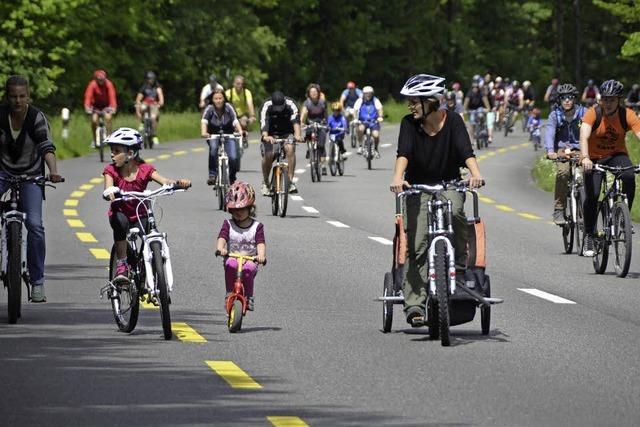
424, 85
367, 89
125, 136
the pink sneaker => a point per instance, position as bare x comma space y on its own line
122, 271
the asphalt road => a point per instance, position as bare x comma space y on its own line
313, 351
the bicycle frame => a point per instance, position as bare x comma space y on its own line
238, 287
279, 162
9, 216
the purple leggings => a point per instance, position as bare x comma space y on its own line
249, 270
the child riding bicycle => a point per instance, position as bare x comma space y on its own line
338, 126
127, 172
241, 234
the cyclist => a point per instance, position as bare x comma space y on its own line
551, 94
242, 234
150, 96
451, 104
100, 97
475, 101
242, 100
370, 114
207, 90
128, 172
497, 95
633, 98
348, 99
432, 147
515, 100
314, 110
338, 127
25, 147
278, 119
487, 83
563, 133
528, 94
458, 92
590, 94
602, 140
220, 116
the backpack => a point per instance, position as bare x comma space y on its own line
622, 114
561, 122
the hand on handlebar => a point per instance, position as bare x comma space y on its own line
552, 155
398, 185
587, 164
88, 110
476, 181
222, 252
109, 193
183, 183
55, 178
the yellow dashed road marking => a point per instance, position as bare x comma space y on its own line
551, 223
75, 223
163, 156
96, 180
198, 150
232, 374
86, 187
491, 154
100, 253
481, 158
186, 333
505, 208
150, 159
528, 215
71, 202
69, 212
515, 147
86, 238
287, 422
486, 200
179, 153
77, 194
524, 144
148, 305
502, 150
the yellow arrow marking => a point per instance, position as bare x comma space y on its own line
287, 422
69, 212
86, 238
71, 202
86, 187
232, 374
186, 333
100, 253
75, 223
505, 208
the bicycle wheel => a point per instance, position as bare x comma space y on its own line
432, 318
579, 224
318, 167
368, 151
125, 301
340, 165
312, 163
506, 126
333, 164
283, 193
225, 183
567, 228
387, 306
100, 141
276, 171
442, 292
485, 311
148, 129
234, 319
13, 279
622, 239
354, 138
601, 239
159, 277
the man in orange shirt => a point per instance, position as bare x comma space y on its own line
100, 98
602, 140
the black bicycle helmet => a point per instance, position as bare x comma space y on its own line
612, 88
567, 89
451, 96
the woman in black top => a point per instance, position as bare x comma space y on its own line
432, 147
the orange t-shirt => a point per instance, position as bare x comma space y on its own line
609, 138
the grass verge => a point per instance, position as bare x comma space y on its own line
544, 173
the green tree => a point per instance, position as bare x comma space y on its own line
629, 12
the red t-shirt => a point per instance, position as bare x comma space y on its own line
143, 177
100, 97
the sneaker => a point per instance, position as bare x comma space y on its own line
265, 190
344, 156
156, 141
212, 180
558, 217
376, 154
92, 144
122, 271
587, 247
306, 156
415, 316
359, 150
324, 170
250, 303
37, 293
292, 188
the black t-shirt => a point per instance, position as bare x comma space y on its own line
475, 100
633, 96
529, 95
433, 159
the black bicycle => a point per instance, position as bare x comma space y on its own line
573, 228
313, 151
613, 224
481, 134
279, 183
223, 180
508, 119
13, 240
336, 159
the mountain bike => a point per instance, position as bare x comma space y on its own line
368, 144
573, 229
147, 126
236, 301
336, 160
526, 109
279, 183
13, 268
481, 134
313, 150
151, 276
223, 181
613, 224
353, 125
507, 120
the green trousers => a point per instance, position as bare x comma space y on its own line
417, 262
563, 175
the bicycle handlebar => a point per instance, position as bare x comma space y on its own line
242, 256
315, 125
215, 136
38, 180
615, 169
165, 190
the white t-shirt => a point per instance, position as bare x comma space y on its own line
206, 90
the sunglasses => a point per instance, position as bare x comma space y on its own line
567, 98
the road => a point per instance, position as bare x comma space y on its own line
313, 352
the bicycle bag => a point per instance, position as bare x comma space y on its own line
476, 244
622, 114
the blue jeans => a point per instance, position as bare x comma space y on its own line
231, 147
31, 204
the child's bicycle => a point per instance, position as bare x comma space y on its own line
148, 255
449, 302
236, 301
535, 137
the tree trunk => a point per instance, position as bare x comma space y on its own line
578, 29
559, 30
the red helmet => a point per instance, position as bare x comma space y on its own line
351, 85
100, 74
240, 195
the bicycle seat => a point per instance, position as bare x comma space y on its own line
134, 230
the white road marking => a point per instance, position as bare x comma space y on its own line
300, 170
545, 295
385, 145
295, 179
308, 166
310, 209
297, 198
338, 224
381, 240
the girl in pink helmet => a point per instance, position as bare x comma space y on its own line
242, 233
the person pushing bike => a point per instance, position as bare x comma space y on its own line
25, 147
433, 145
602, 140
